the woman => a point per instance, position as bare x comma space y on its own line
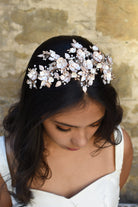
63, 145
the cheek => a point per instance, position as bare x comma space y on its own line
50, 130
53, 133
92, 131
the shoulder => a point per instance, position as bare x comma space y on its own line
127, 160
128, 149
5, 199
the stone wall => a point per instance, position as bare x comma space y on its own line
111, 24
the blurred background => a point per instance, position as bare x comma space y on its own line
110, 24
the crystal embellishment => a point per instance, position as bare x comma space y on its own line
79, 63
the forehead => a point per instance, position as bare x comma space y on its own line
81, 115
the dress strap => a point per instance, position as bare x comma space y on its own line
119, 148
4, 168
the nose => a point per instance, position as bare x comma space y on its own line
80, 139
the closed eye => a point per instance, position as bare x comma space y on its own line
66, 130
61, 129
95, 124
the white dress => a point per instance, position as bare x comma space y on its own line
104, 192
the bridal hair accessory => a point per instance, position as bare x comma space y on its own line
79, 64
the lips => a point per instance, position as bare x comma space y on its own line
71, 149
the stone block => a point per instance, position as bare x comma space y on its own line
10, 86
39, 24
132, 128
123, 79
129, 191
125, 111
135, 109
118, 19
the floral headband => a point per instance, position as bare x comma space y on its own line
79, 64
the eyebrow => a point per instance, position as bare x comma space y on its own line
64, 124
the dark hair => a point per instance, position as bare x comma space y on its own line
23, 124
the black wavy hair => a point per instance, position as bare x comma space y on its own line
23, 124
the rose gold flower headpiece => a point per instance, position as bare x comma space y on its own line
79, 63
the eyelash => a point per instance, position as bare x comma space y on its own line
61, 129
66, 130
96, 124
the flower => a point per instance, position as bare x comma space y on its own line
97, 56
80, 55
44, 75
88, 64
105, 66
73, 66
61, 63
32, 74
32, 84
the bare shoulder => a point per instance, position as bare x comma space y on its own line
128, 149
5, 200
127, 161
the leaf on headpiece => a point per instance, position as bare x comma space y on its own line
72, 50
58, 83
95, 48
76, 44
84, 88
67, 56
41, 67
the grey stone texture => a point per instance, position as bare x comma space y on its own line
110, 24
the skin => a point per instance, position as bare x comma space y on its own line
69, 150
78, 124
